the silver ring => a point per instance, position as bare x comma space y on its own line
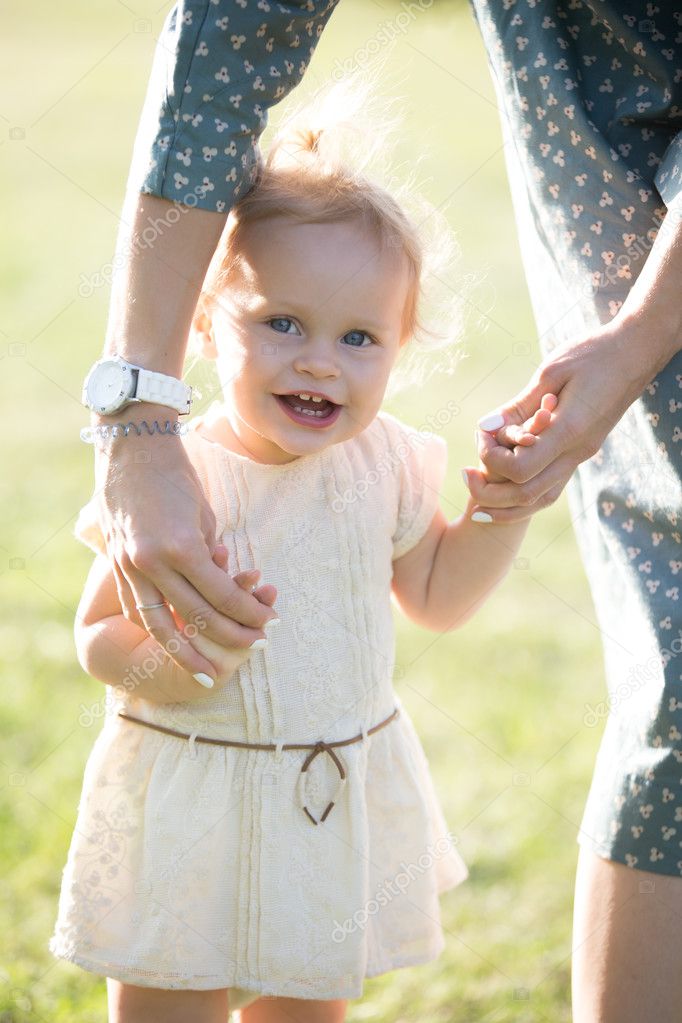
148, 607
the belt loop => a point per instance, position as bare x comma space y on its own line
278, 745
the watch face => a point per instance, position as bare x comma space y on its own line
107, 386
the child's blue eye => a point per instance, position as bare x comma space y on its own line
354, 335
282, 325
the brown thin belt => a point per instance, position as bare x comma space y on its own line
316, 747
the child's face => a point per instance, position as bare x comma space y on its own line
313, 309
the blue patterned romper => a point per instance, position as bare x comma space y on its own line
591, 102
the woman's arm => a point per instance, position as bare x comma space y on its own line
597, 379
160, 529
218, 68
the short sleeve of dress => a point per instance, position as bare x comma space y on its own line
87, 528
421, 461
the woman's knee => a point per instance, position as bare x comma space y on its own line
626, 940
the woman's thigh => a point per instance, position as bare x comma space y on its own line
627, 944
294, 1010
131, 1004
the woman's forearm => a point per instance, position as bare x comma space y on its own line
163, 252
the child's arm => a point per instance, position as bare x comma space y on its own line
451, 572
122, 654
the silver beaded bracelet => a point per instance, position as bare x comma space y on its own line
104, 431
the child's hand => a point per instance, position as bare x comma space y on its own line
509, 437
267, 594
528, 433
226, 660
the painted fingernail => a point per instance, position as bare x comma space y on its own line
271, 621
480, 516
259, 644
465, 477
492, 422
204, 680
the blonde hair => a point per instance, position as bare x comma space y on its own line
307, 177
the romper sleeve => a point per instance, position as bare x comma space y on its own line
218, 66
421, 459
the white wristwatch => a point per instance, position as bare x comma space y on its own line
113, 383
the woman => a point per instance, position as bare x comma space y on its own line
591, 97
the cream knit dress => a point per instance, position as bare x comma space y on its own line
194, 866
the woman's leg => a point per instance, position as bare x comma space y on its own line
131, 1004
627, 944
294, 1010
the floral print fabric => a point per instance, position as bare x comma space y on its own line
591, 101
218, 66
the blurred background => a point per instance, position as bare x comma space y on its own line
505, 708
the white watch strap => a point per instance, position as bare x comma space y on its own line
163, 390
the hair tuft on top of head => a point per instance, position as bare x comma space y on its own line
344, 127
328, 161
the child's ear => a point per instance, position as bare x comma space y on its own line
202, 337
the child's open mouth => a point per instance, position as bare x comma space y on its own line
307, 412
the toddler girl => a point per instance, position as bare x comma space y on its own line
274, 830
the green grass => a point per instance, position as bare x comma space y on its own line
499, 706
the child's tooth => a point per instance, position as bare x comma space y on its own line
305, 397
316, 399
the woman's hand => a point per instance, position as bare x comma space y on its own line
524, 436
224, 659
595, 380
160, 534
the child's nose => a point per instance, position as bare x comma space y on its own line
317, 359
